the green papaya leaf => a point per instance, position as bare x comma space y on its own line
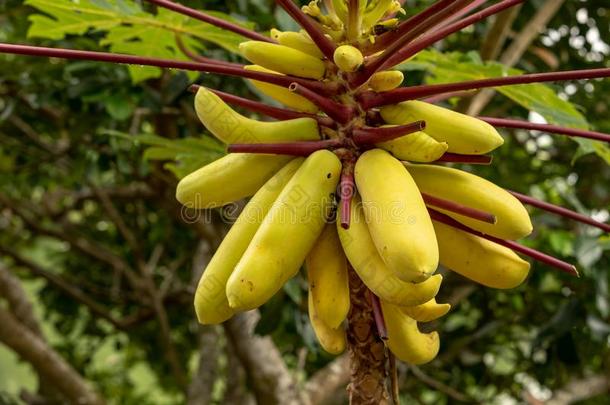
129, 29
183, 155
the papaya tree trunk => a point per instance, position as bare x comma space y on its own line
367, 353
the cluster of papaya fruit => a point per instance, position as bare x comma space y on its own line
343, 186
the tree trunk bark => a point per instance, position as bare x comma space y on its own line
52, 367
367, 352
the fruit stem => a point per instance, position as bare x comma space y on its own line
427, 40
367, 136
315, 32
564, 212
347, 189
367, 353
425, 26
230, 69
261, 108
218, 22
449, 157
301, 148
459, 208
534, 254
519, 124
339, 112
371, 99
382, 331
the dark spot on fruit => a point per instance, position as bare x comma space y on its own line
328, 176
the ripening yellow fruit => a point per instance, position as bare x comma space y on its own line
464, 134
386, 80
283, 59
363, 256
428, 311
287, 233
327, 276
333, 340
348, 58
282, 94
299, 41
513, 221
396, 216
228, 179
211, 304
404, 338
478, 259
231, 127
415, 147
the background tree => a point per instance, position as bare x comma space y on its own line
98, 261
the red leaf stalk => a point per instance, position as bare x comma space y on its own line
218, 22
446, 96
377, 63
519, 124
564, 212
406, 26
459, 208
444, 32
368, 136
534, 254
303, 148
449, 157
261, 108
228, 69
371, 99
475, 4
339, 112
382, 331
315, 32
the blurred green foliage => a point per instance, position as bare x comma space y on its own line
68, 129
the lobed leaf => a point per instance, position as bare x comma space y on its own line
127, 28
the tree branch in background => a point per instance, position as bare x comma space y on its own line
267, 373
579, 390
237, 390
517, 48
498, 33
77, 241
21, 307
35, 137
48, 363
439, 386
12, 291
202, 383
165, 332
63, 285
118, 221
323, 385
